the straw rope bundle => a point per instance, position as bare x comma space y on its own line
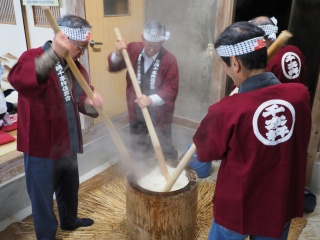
105, 203
103, 198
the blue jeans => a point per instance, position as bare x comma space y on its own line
45, 177
218, 232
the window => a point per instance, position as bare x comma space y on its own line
7, 14
40, 19
116, 7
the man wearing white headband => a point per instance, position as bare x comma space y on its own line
288, 64
261, 140
49, 131
158, 76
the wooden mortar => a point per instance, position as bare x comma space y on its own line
162, 215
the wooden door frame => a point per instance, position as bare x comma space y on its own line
313, 153
219, 77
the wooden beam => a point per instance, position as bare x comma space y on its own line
76, 7
315, 133
224, 17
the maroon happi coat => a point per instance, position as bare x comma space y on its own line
288, 65
261, 137
43, 124
167, 83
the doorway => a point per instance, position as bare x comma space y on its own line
104, 16
249, 9
301, 18
304, 24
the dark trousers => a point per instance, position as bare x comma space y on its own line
141, 142
44, 177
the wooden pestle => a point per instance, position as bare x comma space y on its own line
114, 134
178, 170
278, 43
145, 112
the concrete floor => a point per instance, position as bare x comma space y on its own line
312, 229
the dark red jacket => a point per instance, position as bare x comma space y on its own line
167, 83
261, 136
42, 122
288, 65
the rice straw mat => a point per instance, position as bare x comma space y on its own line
103, 199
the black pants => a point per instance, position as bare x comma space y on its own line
141, 141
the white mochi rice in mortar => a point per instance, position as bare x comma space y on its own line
155, 181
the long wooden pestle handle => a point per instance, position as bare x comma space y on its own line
283, 37
178, 170
114, 134
145, 112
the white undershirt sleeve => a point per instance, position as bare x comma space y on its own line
115, 58
156, 100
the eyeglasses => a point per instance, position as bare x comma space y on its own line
81, 48
153, 46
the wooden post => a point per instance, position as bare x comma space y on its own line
315, 133
222, 20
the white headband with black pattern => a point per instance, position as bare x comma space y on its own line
270, 30
155, 38
77, 34
240, 48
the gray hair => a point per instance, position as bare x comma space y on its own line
155, 32
155, 28
262, 20
73, 21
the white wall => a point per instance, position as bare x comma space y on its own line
12, 37
39, 35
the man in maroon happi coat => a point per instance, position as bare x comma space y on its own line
158, 77
261, 136
288, 65
49, 132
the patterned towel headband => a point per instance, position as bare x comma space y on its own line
77, 34
155, 38
240, 48
270, 30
